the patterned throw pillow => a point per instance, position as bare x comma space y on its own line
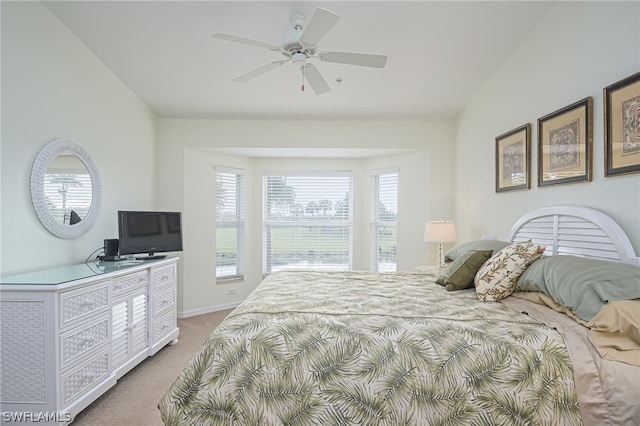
497, 278
459, 274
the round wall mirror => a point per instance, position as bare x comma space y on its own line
66, 190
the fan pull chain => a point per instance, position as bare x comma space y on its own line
302, 78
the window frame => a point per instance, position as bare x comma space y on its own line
238, 223
376, 222
267, 260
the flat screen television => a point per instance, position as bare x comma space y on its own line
149, 232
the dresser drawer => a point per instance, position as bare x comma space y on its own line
163, 276
164, 301
83, 303
163, 326
129, 282
77, 381
75, 344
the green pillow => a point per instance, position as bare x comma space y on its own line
532, 279
459, 274
581, 284
476, 245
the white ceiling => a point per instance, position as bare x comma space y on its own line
439, 54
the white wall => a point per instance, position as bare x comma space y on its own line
189, 149
577, 50
54, 87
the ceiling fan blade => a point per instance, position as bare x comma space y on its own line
375, 61
313, 76
258, 71
319, 25
242, 40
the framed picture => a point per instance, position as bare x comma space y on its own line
513, 159
565, 140
622, 126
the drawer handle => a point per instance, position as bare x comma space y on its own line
135, 325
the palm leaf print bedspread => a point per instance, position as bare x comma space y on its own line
362, 348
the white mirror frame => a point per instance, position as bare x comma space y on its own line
38, 171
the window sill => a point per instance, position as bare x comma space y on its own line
230, 280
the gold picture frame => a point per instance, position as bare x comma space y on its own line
565, 144
622, 126
513, 159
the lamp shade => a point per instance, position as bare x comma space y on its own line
440, 231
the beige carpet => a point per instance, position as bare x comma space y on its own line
134, 399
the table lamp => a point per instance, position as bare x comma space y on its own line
440, 231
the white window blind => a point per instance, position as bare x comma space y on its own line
384, 221
307, 221
229, 224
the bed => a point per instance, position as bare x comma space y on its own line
362, 348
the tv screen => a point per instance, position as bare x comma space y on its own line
149, 232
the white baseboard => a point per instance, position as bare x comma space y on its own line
208, 310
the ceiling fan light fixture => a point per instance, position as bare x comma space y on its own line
298, 58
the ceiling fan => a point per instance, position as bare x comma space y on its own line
301, 45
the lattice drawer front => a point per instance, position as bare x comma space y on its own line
163, 326
164, 276
22, 351
76, 303
76, 382
123, 284
164, 301
80, 341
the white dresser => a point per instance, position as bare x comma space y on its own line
68, 334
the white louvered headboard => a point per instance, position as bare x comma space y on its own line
579, 231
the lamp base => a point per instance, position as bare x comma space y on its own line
440, 256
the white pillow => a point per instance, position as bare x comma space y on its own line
497, 277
